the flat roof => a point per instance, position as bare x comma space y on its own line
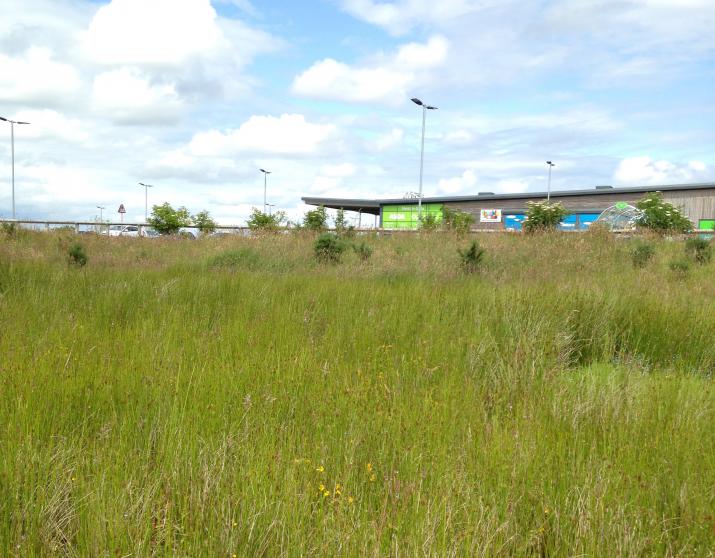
373, 205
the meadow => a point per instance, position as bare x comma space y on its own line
236, 397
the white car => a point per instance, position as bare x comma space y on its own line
123, 230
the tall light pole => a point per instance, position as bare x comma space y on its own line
146, 199
265, 182
101, 209
12, 148
425, 108
548, 192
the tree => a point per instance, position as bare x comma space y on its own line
342, 228
543, 216
263, 222
316, 220
167, 220
661, 216
204, 222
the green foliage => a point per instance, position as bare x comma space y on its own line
472, 257
699, 249
428, 223
363, 250
263, 222
641, 253
167, 220
661, 216
241, 258
543, 216
680, 267
9, 229
204, 222
329, 248
316, 219
77, 255
456, 220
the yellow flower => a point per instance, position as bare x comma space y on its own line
321, 469
321, 487
350, 499
373, 477
337, 490
369, 467
326, 493
547, 510
234, 524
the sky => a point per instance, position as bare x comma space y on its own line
194, 96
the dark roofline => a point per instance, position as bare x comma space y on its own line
373, 205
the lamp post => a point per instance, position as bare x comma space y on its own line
12, 149
425, 108
101, 209
265, 183
146, 199
548, 191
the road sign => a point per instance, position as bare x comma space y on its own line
121, 208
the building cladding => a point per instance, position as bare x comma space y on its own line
506, 211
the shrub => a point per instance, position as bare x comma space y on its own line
699, 249
428, 222
9, 229
243, 258
316, 219
328, 248
167, 220
661, 216
680, 267
77, 255
456, 220
543, 216
363, 250
204, 222
263, 222
641, 253
472, 257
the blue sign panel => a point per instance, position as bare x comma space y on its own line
513, 222
585, 220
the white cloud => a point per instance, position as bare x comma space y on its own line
458, 183
384, 80
286, 134
647, 171
400, 16
51, 125
341, 170
152, 32
35, 78
391, 139
125, 96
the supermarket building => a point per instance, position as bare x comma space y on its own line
506, 211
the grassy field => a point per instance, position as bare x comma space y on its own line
233, 397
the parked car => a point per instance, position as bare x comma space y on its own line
123, 230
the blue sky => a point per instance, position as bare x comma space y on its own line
194, 96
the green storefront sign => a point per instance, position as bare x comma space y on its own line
406, 216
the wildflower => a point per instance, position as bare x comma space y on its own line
350, 499
337, 490
321, 487
326, 493
321, 469
235, 524
369, 467
373, 477
547, 510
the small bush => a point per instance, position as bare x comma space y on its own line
329, 248
316, 219
428, 222
680, 268
642, 253
456, 220
543, 216
243, 258
9, 229
699, 249
77, 255
363, 250
472, 257
661, 216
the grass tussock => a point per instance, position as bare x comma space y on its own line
237, 396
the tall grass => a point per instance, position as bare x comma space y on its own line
174, 398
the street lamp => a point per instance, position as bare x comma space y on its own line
548, 192
12, 143
101, 209
265, 181
425, 108
146, 199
